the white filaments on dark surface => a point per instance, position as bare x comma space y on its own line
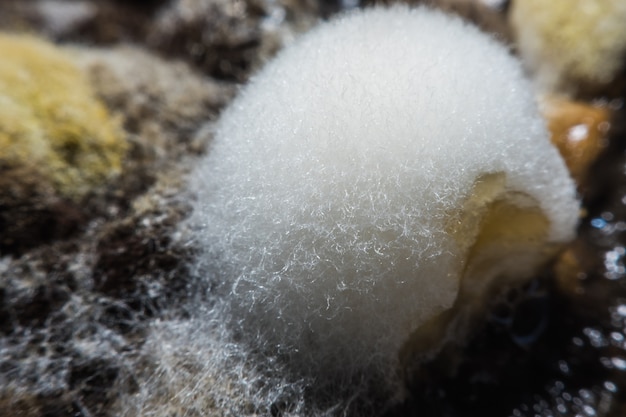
339, 205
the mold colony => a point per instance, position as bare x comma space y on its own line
366, 193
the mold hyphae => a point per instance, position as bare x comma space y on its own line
369, 189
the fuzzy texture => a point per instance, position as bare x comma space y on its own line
567, 43
328, 204
51, 120
163, 103
74, 310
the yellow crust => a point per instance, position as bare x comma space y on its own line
50, 119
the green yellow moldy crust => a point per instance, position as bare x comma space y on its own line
51, 121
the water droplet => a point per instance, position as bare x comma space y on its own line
589, 410
578, 133
595, 337
607, 215
617, 337
619, 363
609, 386
613, 263
585, 394
606, 362
598, 223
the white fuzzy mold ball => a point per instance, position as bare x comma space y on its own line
370, 187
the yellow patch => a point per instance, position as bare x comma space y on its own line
51, 120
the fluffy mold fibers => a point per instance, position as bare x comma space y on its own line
369, 188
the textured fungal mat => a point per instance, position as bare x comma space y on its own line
58, 143
51, 120
340, 210
572, 46
97, 291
